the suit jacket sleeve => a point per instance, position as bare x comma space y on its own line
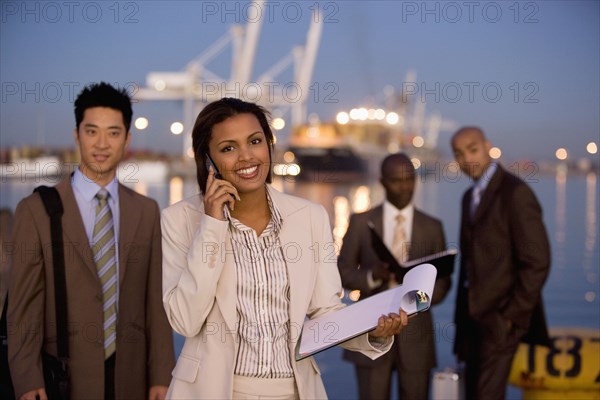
443, 284
532, 252
161, 357
193, 259
349, 258
26, 304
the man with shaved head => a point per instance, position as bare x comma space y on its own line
505, 260
409, 234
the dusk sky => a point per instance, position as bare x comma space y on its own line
527, 72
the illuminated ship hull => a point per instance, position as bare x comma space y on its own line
327, 164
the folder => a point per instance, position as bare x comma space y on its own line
442, 261
413, 295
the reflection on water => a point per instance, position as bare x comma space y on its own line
141, 188
570, 205
340, 219
560, 215
362, 199
591, 231
175, 190
591, 220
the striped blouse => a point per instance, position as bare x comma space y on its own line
263, 297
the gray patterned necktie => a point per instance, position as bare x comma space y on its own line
104, 253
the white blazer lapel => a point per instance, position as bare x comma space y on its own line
226, 288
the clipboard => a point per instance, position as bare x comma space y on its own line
442, 261
339, 326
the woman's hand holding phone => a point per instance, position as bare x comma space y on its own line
219, 193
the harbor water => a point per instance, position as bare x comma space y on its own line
570, 204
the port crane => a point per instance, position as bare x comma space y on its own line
196, 85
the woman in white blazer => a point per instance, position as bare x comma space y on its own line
215, 270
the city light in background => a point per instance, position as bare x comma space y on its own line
141, 123
176, 128
278, 123
561, 153
495, 153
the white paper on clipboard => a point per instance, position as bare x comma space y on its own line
325, 331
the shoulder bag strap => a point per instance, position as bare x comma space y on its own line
54, 208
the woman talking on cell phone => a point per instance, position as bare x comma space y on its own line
244, 265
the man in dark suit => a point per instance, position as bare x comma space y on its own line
413, 354
505, 260
120, 342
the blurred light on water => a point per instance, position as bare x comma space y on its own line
590, 296
341, 213
141, 187
175, 190
362, 199
591, 220
560, 214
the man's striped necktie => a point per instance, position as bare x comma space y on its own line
106, 265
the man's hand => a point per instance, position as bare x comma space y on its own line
157, 393
390, 325
39, 393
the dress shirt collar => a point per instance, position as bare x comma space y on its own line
274, 225
484, 180
390, 210
89, 188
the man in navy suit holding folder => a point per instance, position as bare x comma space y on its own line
409, 234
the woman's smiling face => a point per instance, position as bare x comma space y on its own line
240, 150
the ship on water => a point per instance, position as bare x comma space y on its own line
352, 147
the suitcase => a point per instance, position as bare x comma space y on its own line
448, 384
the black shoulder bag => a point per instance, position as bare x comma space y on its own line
56, 369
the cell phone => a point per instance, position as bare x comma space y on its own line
211, 163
